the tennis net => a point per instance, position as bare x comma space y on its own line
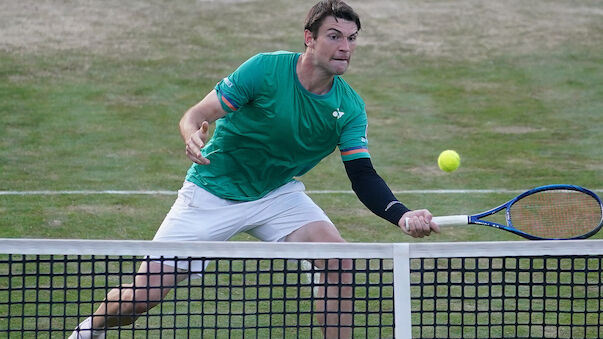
544, 289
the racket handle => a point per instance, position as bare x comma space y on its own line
452, 220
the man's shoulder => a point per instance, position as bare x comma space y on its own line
274, 56
271, 63
351, 96
280, 53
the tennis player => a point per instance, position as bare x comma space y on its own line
276, 117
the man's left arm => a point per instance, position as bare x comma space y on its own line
374, 193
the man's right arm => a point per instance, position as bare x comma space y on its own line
194, 125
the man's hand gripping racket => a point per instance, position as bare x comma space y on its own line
547, 212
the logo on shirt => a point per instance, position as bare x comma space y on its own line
227, 82
337, 113
364, 138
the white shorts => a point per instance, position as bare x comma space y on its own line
198, 215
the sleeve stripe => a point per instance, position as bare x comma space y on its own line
354, 150
355, 147
228, 102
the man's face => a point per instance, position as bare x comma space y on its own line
334, 44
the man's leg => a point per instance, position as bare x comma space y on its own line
124, 304
333, 305
196, 215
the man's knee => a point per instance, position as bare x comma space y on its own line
339, 264
339, 271
318, 231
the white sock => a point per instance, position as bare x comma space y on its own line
84, 331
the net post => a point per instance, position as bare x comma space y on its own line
402, 300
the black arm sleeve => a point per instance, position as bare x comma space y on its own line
372, 191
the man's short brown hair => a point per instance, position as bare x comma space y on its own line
326, 8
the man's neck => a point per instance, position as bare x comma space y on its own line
313, 79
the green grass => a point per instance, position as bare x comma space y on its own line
91, 95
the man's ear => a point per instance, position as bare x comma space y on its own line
308, 39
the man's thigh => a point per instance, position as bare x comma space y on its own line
198, 215
285, 214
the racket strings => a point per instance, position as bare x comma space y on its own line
556, 214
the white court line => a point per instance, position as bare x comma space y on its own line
165, 192
89, 192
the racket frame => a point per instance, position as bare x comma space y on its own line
476, 218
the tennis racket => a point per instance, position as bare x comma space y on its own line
552, 212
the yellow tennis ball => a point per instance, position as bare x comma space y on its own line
449, 161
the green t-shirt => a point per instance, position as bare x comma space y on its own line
275, 129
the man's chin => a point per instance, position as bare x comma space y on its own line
339, 67
339, 70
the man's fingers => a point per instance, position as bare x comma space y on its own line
195, 144
193, 150
196, 158
197, 140
420, 225
434, 226
412, 227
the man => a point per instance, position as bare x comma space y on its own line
276, 117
